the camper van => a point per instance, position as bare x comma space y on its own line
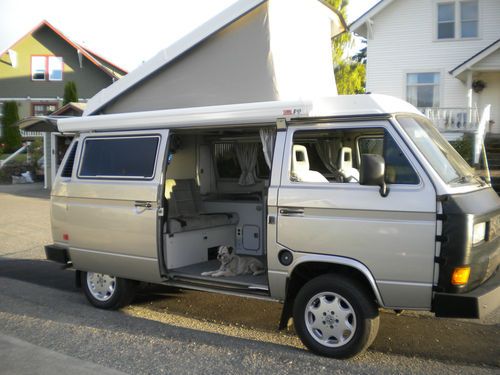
346, 205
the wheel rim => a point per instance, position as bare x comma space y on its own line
101, 286
330, 319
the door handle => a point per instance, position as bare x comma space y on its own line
291, 211
143, 204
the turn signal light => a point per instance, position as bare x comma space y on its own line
460, 276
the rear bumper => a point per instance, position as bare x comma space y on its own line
57, 254
475, 304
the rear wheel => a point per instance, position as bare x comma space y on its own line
107, 292
335, 317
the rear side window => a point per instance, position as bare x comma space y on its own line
119, 157
68, 167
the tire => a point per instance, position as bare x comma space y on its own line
107, 292
334, 317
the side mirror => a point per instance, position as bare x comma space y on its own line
372, 172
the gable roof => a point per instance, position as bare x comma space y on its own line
71, 106
474, 59
186, 43
359, 25
107, 67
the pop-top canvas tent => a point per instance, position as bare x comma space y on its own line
254, 51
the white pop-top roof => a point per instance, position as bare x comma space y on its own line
212, 26
238, 114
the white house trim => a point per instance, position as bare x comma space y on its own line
473, 60
364, 24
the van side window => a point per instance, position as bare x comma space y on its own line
228, 166
397, 168
119, 157
68, 167
333, 156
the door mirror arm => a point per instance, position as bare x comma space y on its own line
372, 172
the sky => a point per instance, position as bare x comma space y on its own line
126, 32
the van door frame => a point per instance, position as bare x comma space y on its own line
392, 295
125, 265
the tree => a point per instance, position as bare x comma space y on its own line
352, 78
361, 55
11, 134
70, 93
349, 72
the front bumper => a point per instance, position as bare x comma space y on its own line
475, 304
57, 254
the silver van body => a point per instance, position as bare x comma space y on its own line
402, 239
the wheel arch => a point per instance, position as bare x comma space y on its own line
310, 266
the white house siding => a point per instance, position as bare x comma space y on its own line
491, 95
404, 41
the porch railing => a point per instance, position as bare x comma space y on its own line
454, 119
26, 134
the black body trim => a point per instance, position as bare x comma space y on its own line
461, 212
57, 254
341, 118
475, 304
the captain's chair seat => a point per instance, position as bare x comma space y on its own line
345, 165
300, 166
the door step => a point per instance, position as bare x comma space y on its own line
221, 284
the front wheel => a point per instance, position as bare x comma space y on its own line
334, 317
107, 292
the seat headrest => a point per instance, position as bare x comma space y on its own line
345, 158
300, 159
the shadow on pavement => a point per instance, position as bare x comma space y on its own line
40, 272
440, 339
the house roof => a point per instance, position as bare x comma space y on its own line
189, 41
359, 25
75, 106
49, 123
474, 59
107, 67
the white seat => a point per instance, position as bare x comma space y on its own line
345, 165
300, 166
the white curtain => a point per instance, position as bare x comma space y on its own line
328, 151
247, 158
268, 137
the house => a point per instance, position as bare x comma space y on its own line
255, 50
34, 70
443, 56
55, 144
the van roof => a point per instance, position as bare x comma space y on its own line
247, 114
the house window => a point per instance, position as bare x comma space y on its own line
42, 109
422, 89
458, 19
469, 18
446, 21
47, 68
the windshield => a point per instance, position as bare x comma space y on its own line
447, 162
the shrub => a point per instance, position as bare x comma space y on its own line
465, 147
70, 93
11, 134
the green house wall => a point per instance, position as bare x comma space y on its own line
15, 82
